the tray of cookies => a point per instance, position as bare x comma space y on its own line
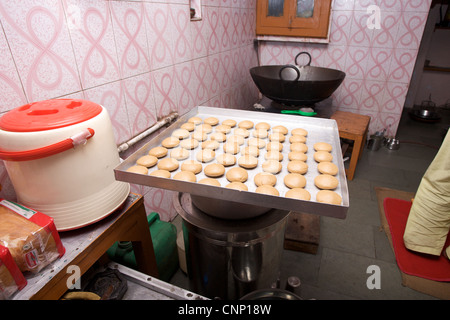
252, 159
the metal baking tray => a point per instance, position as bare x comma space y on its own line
319, 130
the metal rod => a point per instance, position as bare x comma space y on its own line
124, 146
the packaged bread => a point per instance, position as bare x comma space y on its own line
30, 236
11, 278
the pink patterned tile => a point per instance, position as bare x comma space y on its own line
416, 5
93, 42
349, 93
402, 65
360, 35
199, 38
130, 36
165, 91
180, 19
186, 81
39, 40
386, 36
340, 5
271, 53
203, 78
159, 201
372, 94
225, 65
216, 73
111, 96
335, 57
388, 121
394, 97
378, 63
140, 103
215, 30
410, 30
341, 23
356, 62
236, 28
11, 92
226, 25
159, 34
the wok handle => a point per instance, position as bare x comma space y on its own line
289, 66
303, 52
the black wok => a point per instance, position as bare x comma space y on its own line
293, 85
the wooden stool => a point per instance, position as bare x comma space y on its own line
354, 127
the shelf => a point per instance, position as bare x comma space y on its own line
438, 69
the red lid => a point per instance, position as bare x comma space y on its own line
48, 115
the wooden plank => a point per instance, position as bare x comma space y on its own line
302, 232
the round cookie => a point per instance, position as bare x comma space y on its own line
160, 173
326, 181
262, 125
179, 153
236, 138
328, 196
237, 186
322, 146
248, 161
296, 166
210, 181
147, 161
218, 136
277, 136
229, 122
299, 147
199, 135
204, 127
180, 133
281, 129
189, 126
210, 144
260, 133
296, 155
185, 176
191, 165
327, 167
206, 155
223, 128
190, 143
169, 164
246, 124
257, 142
226, 159
273, 155
298, 193
251, 150
158, 152
274, 146
295, 180
170, 142
271, 166
138, 169
242, 132
237, 174
195, 120
214, 170
263, 178
297, 138
321, 156
266, 189
211, 121
231, 147
299, 131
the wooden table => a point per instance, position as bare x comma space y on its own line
86, 245
354, 127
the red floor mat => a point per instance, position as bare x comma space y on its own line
410, 262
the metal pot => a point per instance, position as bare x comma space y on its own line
294, 85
